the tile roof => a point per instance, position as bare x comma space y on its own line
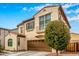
25, 21
5, 29
19, 34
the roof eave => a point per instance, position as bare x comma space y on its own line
25, 21
65, 17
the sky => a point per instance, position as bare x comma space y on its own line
11, 14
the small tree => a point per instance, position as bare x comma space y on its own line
57, 35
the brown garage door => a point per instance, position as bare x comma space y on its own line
38, 45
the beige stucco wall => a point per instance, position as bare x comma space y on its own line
74, 38
25, 43
14, 37
19, 30
15, 47
54, 16
30, 35
22, 44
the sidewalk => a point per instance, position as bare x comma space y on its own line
28, 53
64, 54
38, 53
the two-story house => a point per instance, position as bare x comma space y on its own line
31, 31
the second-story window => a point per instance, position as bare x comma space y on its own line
43, 21
30, 25
21, 29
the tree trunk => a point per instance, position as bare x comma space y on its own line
56, 52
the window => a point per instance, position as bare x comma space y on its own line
30, 25
21, 29
10, 42
18, 41
47, 18
43, 21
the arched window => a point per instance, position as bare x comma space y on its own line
10, 42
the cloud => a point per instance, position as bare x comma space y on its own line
77, 10
65, 6
75, 18
72, 11
68, 11
37, 8
24, 8
68, 5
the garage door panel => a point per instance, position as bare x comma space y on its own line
38, 45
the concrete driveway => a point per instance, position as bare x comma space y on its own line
28, 53
37, 53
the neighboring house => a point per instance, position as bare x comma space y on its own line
3, 33
34, 28
14, 30
73, 46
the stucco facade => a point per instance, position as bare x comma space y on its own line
56, 12
14, 38
26, 39
15, 46
33, 38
